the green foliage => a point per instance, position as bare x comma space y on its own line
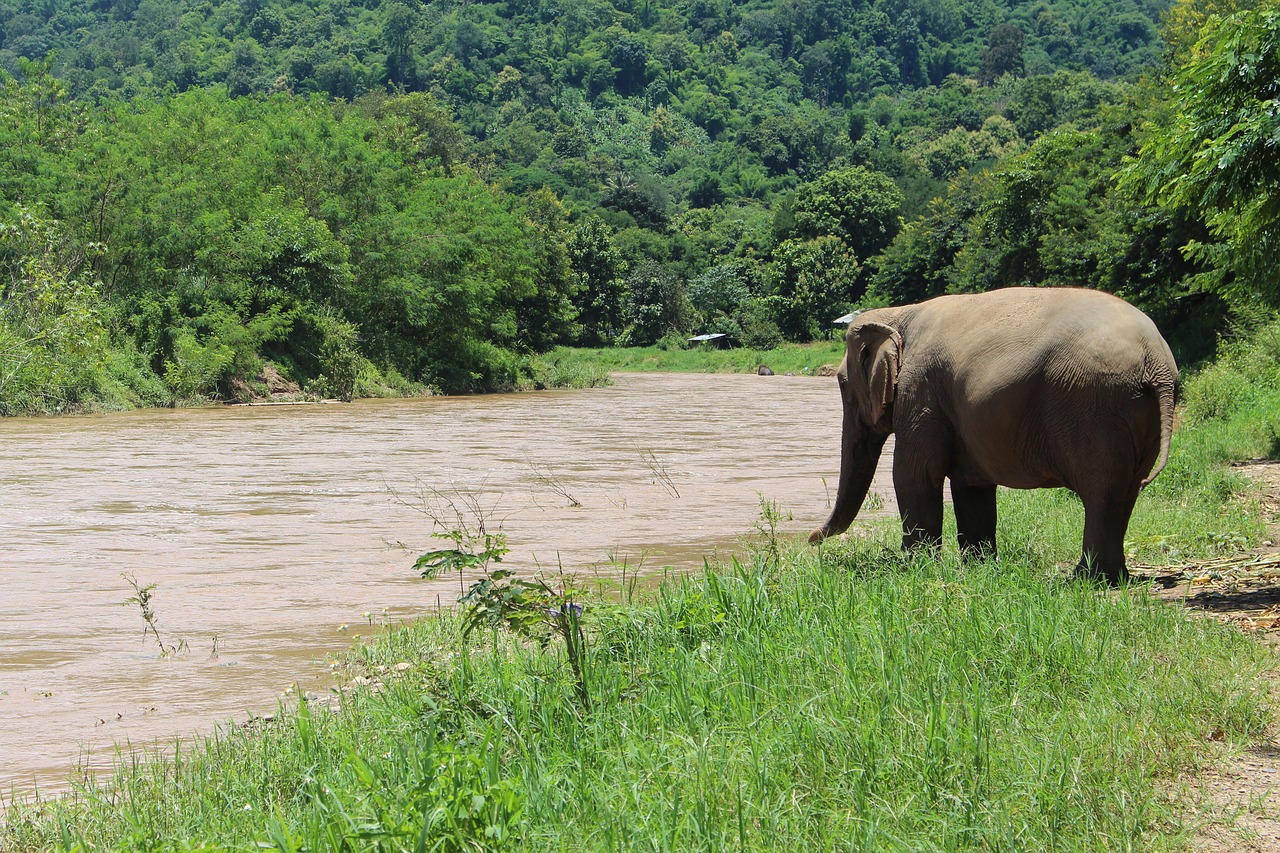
1003, 54
342, 367
920, 264
234, 231
859, 206
656, 306
1215, 152
597, 269
53, 335
195, 368
468, 552
528, 607
1242, 379
816, 281
356, 191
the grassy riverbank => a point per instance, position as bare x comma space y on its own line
836, 698
806, 359
844, 699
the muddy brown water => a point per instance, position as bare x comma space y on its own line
274, 534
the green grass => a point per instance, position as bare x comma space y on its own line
804, 359
842, 698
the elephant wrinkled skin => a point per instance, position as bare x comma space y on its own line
1028, 388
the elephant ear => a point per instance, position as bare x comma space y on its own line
878, 357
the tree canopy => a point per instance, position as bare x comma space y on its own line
387, 196
1216, 154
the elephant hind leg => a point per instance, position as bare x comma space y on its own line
1106, 518
975, 519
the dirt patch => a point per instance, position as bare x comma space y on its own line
1243, 590
277, 384
1236, 804
269, 386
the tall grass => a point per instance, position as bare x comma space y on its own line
848, 698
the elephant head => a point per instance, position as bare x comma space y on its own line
868, 378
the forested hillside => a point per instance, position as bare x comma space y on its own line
369, 198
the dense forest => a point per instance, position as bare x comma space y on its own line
198, 199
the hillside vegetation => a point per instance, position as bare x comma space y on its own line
391, 198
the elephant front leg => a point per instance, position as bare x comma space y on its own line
920, 505
975, 519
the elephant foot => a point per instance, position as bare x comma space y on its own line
970, 552
1112, 576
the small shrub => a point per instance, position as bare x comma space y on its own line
1216, 393
195, 367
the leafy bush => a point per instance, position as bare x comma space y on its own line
194, 369
1246, 372
53, 336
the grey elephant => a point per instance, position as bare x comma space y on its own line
1028, 388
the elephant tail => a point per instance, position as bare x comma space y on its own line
1165, 390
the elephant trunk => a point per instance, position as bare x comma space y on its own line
859, 456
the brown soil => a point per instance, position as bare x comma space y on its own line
268, 387
1235, 804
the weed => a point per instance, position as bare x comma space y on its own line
531, 608
460, 517
142, 596
548, 478
660, 472
767, 526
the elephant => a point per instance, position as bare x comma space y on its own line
1023, 387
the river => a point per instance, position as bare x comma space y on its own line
273, 535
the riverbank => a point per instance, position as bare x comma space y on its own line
812, 698
803, 698
122, 385
801, 359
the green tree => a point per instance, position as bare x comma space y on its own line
855, 204
815, 282
1003, 54
919, 263
53, 336
399, 20
1216, 153
597, 268
656, 305
547, 316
